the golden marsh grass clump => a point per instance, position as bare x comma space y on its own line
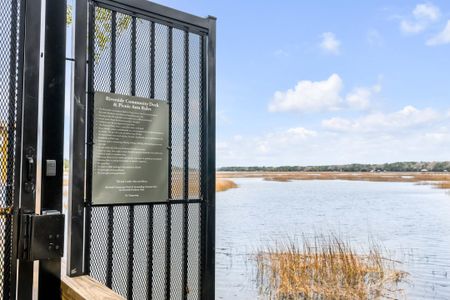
444, 185
225, 184
326, 268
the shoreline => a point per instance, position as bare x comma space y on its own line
439, 180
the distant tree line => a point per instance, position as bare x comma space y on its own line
410, 166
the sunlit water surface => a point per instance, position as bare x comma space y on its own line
411, 221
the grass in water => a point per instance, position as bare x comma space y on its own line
326, 268
444, 185
225, 184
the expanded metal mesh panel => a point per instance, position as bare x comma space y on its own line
151, 251
194, 115
10, 98
178, 121
193, 249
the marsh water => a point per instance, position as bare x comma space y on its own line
412, 222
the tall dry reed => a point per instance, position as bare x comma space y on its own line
326, 268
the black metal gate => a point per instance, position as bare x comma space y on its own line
160, 250
11, 19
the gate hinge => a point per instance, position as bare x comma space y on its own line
41, 237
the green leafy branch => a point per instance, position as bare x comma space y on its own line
102, 27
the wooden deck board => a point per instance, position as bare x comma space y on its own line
84, 288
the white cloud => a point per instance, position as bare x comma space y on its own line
361, 97
442, 38
309, 96
422, 16
409, 134
324, 147
300, 132
330, 44
408, 117
427, 11
320, 96
260, 149
412, 27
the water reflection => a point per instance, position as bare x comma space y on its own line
412, 222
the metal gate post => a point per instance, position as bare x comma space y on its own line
29, 118
75, 230
209, 226
53, 134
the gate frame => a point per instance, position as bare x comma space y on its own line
78, 231
26, 138
37, 135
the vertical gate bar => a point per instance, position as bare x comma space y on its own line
133, 56
150, 212
77, 147
110, 246
169, 207
90, 142
131, 207
186, 165
152, 59
7, 259
17, 151
150, 252
208, 288
113, 51
29, 127
202, 158
10, 158
130, 252
186, 117
53, 132
11, 108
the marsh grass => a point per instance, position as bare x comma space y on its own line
443, 185
326, 268
439, 180
225, 184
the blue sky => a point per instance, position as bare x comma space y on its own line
321, 82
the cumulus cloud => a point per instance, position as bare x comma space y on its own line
330, 44
412, 27
427, 11
258, 149
321, 96
300, 132
407, 117
335, 147
422, 16
309, 96
361, 97
441, 38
